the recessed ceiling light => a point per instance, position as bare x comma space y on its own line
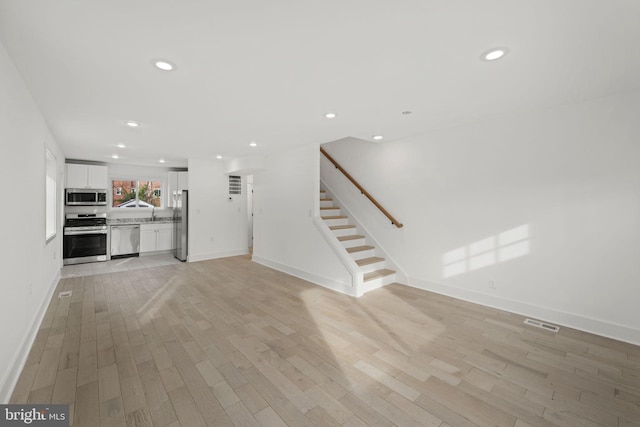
115, 156
377, 137
218, 156
330, 115
161, 160
164, 65
121, 145
253, 144
132, 124
495, 53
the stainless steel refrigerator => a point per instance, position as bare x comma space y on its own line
181, 226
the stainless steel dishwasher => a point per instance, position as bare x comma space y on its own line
125, 240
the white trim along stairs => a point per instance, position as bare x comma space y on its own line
374, 268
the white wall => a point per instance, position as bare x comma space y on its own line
245, 165
286, 197
30, 268
568, 176
217, 226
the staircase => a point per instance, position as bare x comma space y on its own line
374, 268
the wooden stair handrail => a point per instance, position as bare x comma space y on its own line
362, 190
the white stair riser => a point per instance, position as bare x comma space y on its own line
373, 267
330, 212
335, 211
354, 242
363, 254
380, 282
330, 222
344, 232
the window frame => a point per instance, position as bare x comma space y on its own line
138, 180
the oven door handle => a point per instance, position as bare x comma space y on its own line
79, 233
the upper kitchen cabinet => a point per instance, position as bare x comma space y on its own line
86, 176
177, 182
183, 181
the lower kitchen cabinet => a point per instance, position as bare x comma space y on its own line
156, 237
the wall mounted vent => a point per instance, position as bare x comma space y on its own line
65, 294
235, 184
542, 325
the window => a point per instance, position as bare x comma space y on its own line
50, 196
136, 193
235, 184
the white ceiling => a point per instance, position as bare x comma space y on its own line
267, 71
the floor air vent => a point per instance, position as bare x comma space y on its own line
65, 294
542, 325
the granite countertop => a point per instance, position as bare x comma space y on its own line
146, 220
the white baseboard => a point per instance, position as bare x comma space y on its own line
575, 321
10, 380
345, 288
216, 255
153, 253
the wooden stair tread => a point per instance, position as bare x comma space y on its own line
351, 237
328, 207
341, 227
378, 274
326, 200
359, 249
370, 260
334, 217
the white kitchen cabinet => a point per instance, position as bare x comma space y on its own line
147, 239
156, 237
164, 239
172, 189
86, 176
176, 182
183, 181
97, 177
76, 176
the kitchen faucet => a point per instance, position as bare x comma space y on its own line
153, 213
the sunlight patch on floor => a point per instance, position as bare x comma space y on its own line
374, 309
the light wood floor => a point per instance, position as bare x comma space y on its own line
229, 342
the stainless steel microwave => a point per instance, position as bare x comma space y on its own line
85, 197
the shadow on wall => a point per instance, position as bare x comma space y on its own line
504, 246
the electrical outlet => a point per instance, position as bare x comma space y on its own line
30, 288
492, 284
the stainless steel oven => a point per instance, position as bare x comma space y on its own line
86, 238
85, 197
